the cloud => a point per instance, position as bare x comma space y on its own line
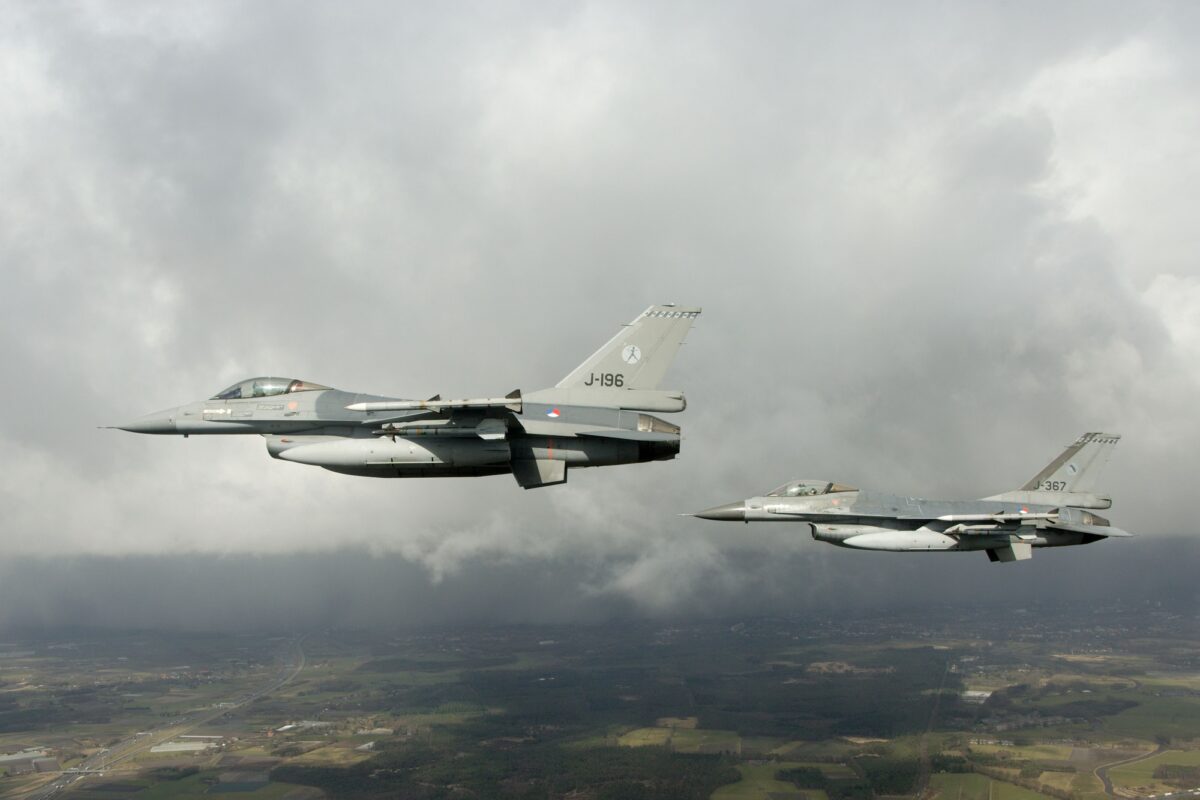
933, 246
358, 589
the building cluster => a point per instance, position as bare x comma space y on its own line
303, 725
190, 744
28, 760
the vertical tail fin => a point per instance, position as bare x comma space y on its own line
1079, 466
639, 355
1069, 480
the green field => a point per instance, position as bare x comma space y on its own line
972, 786
828, 750
1140, 774
644, 737
1186, 680
833, 771
1173, 717
701, 741
759, 783
683, 740
1037, 752
1063, 781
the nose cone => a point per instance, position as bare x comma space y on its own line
730, 512
158, 422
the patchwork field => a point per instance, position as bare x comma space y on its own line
824, 709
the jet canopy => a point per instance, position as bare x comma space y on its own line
266, 387
807, 488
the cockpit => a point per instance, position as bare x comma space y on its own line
266, 387
809, 488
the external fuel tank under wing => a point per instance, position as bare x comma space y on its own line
1055, 508
596, 416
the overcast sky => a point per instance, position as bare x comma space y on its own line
933, 242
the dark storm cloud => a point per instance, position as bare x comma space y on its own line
933, 245
357, 589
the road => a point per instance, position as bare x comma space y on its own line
1101, 771
141, 742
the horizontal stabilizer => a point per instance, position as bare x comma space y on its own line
1093, 530
534, 473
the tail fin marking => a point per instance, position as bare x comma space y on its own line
639, 355
1078, 467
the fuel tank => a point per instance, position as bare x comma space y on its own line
391, 456
384, 453
870, 537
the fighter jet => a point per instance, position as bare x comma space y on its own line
591, 418
1052, 509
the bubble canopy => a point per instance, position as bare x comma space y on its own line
805, 488
266, 387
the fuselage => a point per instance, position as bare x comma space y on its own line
1052, 509
861, 520
595, 416
876, 521
318, 427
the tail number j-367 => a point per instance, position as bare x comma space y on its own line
605, 379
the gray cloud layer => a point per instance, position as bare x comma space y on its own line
933, 244
349, 588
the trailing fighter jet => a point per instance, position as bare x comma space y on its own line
591, 418
1052, 510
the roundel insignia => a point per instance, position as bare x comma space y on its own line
631, 354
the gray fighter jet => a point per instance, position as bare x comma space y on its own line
591, 418
1052, 510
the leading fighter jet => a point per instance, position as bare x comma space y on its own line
590, 418
1052, 509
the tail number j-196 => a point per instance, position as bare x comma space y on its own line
605, 379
